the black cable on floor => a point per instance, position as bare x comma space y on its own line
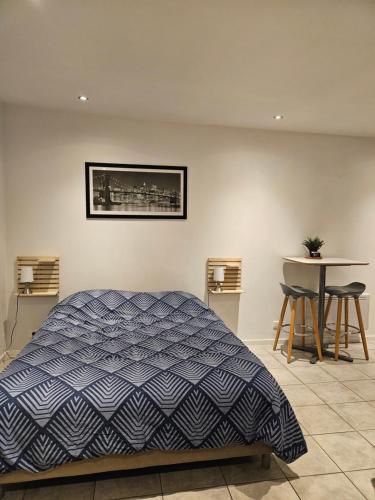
15, 324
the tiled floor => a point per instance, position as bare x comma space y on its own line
335, 404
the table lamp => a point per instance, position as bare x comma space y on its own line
219, 277
27, 277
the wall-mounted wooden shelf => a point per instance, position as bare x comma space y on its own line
232, 275
47, 260
46, 272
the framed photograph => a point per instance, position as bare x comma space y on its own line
135, 191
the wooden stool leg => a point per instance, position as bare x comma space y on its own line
303, 319
346, 302
291, 332
361, 327
316, 329
338, 328
328, 308
280, 324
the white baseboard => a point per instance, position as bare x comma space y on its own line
284, 338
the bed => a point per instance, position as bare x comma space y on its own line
115, 380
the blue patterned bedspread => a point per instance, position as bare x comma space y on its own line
113, 372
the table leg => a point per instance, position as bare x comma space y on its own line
322, 293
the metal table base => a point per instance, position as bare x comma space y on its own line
321, 326
325, 352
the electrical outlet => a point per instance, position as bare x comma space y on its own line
274, 324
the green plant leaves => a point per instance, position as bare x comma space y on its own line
313, 244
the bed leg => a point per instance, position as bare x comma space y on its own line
2, 491
266, 461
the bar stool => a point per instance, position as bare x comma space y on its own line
352, 291
297, 292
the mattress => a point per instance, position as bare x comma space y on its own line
116, 372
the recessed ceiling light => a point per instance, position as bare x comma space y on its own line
83, 98
278, 117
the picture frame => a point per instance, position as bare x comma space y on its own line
132, 191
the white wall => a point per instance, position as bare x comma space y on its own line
3, 290
251, 194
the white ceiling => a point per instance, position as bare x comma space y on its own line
223, 62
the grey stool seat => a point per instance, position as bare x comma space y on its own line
296, 291
354, 289
298, 294
351, 291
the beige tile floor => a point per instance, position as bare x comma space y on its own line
335, 404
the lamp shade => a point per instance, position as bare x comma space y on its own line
219, 273
27, 275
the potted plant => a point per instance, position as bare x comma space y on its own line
313, 245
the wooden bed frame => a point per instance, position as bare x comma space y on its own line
155, 458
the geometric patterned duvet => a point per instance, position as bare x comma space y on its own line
113, 372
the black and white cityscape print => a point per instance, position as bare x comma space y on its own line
136, 191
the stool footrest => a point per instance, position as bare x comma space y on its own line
354, 330
309, 330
